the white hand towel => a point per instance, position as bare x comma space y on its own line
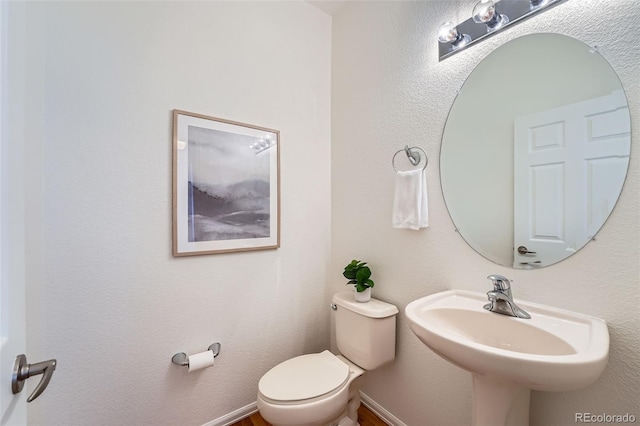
410, 205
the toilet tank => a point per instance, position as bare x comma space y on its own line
365, 332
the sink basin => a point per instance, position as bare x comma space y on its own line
555, 350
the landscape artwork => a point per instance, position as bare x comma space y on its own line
225, 179
228, 187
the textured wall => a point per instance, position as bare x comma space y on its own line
388, 90
107, 299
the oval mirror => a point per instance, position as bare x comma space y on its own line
535, 150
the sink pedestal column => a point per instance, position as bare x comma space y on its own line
499, 403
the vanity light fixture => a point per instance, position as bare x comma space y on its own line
488, 17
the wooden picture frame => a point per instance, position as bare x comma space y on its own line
226, 186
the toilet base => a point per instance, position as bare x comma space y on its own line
346, 421
350, 415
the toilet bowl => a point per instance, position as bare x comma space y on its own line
323, 389
309, 390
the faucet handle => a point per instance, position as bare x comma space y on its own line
500, 283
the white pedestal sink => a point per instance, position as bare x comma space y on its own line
555, 350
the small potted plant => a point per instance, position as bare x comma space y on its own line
359, 274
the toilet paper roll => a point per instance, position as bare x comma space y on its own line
200, 361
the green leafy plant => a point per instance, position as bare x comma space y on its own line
359, 274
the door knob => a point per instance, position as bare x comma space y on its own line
22, 371
524, 250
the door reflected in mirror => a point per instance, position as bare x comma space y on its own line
535, 150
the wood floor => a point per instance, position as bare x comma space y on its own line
365, 418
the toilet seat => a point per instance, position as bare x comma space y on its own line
304, 378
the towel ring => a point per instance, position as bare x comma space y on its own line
414, 157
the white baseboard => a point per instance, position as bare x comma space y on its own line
236, 416
379, 411
248, 410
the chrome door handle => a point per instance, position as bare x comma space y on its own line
524, 250
22, 371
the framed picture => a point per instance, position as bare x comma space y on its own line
226, 186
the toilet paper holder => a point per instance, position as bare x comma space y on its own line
182, 358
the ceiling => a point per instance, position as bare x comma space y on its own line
332, 7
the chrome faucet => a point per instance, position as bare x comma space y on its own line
501, 300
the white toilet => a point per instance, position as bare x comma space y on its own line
323, 389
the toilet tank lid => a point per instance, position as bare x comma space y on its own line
373, 308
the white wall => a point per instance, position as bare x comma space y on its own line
106, 298
388, 90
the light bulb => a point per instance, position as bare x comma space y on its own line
448, 33
485, 12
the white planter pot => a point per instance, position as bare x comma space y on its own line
363, 296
